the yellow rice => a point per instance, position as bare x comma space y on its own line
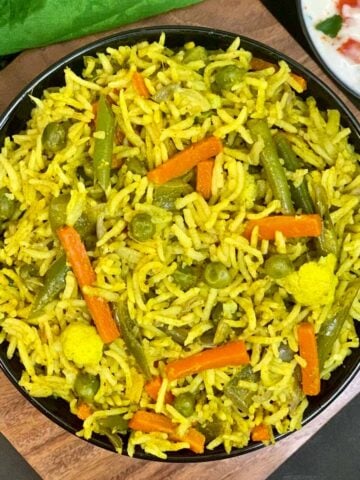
197, 232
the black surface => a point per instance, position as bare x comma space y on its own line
332, 454
19, 112
12, 465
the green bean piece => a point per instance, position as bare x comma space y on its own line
211, 430
135, 165
217, 313
331, 328
141, 227
300, 195
7, 205
178, 334
195, 54
241, 397
229, 76
54, 136
278, 266
207, 338
186, 277
166, 195
274, 171
132, 337
285, 352
103, 148
115, 441
185, 404
113, 424
216, 275
86, 386
54, 283
327, 241
57, 217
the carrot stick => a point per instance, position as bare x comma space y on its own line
204, 178
85, 276
259, 64
83, 411
152, 388
230, 354
139, 85
154, 422
310, 375
260, 433
185, 160
292, 226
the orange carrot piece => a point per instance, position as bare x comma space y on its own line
139, 85
204, 178
185, 160
292, 226
310, 375
83, 411
152, 388
155, 422
85, 275
260, 433
259, 64
230, 354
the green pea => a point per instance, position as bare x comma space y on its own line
278, 266
135, 165
54, 136
7, 205
229, 76
113, 423
216, 275
141, 227
285, 352
185, 404
195, 54
86, 386
186, 277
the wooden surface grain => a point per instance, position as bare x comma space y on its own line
58, 455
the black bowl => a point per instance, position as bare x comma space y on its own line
15, 119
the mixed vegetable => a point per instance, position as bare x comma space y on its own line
304, 217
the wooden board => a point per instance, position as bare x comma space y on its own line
54, 453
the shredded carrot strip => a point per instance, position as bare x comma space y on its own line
310, 374
185, 160
230, 354
83, 411
154, 422
204, 178
139, 85
259, 64
292, 226
260, 433
152, 388
85, 276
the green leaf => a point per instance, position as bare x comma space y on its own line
330, 26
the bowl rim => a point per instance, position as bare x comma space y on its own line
133, 36
320, 58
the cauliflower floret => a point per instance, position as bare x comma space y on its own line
82, 344
314, 283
